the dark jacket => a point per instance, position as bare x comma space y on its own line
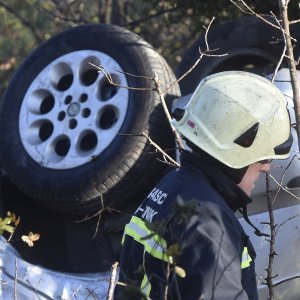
185, 240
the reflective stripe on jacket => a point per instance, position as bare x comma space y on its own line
185, 242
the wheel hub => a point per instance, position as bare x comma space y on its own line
73, 109
60, 133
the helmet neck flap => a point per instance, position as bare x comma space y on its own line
235, 175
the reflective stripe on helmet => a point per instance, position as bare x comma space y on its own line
153, 243
246, 259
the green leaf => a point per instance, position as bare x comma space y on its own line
6, 221
7, 228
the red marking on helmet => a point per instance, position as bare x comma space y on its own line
190, 123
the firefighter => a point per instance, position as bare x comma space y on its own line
185, 241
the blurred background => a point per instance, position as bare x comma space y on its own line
169, 26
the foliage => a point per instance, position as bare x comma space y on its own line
30, 238
170, 26
9, 223
27, 23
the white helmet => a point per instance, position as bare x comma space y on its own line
238, 118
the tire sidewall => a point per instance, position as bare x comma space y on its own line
119, 44
246, 35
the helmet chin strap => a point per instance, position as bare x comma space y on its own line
243, 211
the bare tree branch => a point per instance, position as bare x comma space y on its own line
283, 188
98, 214
293, 71
269, 278
283, 52
295, 22
16, 279
250, 11
286, 221
285, 280
167, 158
206, 32
110, 80
282, 178
91, 293
112, 281
161, 150
74, 293
157, 89
162, 99
206, 52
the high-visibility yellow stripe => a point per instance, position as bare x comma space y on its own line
146, 286
246, 259
142, 225
153, 243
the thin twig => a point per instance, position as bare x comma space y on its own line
162, 93
102, 70
294, 21
282, 178
74, 293
157, 89
252, 12
272, 253
285, 280
167, 163
167, 280
202, 54
133, 75
284, 48
286, 221
206, 32
167, 157
292, 66
112, 281
99, 214
161, 150
16, 279
283, 188
162, 99
91, 293
260, 16
11, 235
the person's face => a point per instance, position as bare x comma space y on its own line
254, 170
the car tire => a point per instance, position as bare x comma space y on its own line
249, 44
72, 141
